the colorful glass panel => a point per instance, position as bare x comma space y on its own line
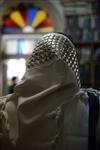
8, 22
17, 18
28, 20
9, 30
40, 16
24, 15
46, 29
20, 46
47, 22
31, 12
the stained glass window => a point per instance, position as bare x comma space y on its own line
27, 20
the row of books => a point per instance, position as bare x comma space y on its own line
86, 73
85, 34
83, 21
96, 7
86, 55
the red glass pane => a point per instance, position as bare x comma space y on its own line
9, 23
24, 15
46, 23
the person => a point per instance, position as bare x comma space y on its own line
49, 110
13, 84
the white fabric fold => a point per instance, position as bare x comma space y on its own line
44, 90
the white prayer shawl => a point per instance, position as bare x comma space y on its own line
48, 111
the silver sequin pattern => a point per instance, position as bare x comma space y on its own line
51, 46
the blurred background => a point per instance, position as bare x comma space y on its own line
23, 22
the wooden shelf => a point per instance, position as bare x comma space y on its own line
90, 78
85, 31
87, 42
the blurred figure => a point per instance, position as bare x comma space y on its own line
13, 85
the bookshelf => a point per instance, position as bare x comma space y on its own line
89, 63
84, 27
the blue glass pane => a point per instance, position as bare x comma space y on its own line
20, 46
31, 14
9, 30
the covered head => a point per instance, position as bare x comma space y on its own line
53, 63
55, 46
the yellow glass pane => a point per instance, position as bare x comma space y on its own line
46, 29
40, 16
17, 18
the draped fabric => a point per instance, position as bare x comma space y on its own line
55, 45
48, 111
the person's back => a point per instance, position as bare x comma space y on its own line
49, 110
13, 85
